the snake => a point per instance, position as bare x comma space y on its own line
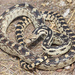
24, 53
47, 42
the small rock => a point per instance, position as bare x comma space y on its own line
62, 3
67, 68
47, 3
70, 1
66, 12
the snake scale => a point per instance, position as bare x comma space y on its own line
44, 62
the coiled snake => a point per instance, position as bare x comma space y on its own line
58, 50
25, 54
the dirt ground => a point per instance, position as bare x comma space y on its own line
10, 65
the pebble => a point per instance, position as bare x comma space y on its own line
67, 68
47, 3
66, 12
62, 3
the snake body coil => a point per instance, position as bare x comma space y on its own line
25, 54
55, 39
